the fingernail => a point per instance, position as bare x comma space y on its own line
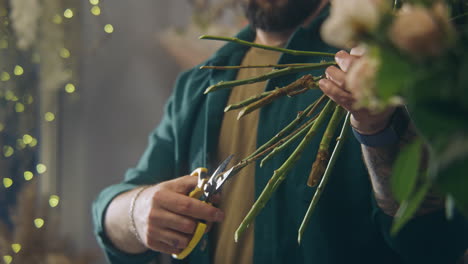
219, 216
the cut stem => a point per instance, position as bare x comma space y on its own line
339, 145
280, 173
246, 102
267, 76
323, 154
260, 46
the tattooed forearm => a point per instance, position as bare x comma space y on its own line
379, 162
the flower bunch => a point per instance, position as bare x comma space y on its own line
415, 55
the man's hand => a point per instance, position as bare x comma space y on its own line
334, 86
166, 218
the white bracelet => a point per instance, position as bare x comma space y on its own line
132, 210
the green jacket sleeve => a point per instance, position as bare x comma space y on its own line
156, 165
428, 239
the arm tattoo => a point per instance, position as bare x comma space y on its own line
379, 162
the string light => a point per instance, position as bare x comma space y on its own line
109, 28
29, 99
4, 76
8, 151
49, 116
27, 139
3, 44
18, 70
54, 201
39, 222
19, 107
20, 144
16, 247
28, 175
7, 259
96, 10
41, 168
2, 127
68, 13
7, 182
94, 2
57, 19
9, 95
70, 88
64, 53
33, 143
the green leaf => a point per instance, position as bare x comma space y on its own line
408, 208
406, 170
394, 74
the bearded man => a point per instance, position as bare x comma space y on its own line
150, 213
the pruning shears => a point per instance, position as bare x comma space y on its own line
206, 187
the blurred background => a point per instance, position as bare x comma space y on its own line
82, 84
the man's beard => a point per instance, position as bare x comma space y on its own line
279, 18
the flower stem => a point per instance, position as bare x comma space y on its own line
255, 66
283, 50
340, 141
270, 75
323, 154
280, 173
302, 84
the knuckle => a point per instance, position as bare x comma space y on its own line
184, 205
187, 226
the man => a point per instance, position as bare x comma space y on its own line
150, 211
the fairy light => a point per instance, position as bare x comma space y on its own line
27, 139
33, 143
3, 44
16, 247
49, 116
7, 259
54, 201
7, 182
41, 168
8, 151
109, 28
18, 70
19, 107
20, 144
2, 126
70, 88
28, 175
64, 53
68, 13
94, 2
57, 19
4, 76
9, 95
39, 222
15, 98
29, 99
96, 10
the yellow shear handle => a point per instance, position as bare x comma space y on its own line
201, 227
199, 231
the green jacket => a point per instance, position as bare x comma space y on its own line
347, 226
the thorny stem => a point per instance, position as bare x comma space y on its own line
255, 66
323, 154
251, 44
247, 101
303, 84
288, 140
340, 141
270, 75
300, 116
280, 173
